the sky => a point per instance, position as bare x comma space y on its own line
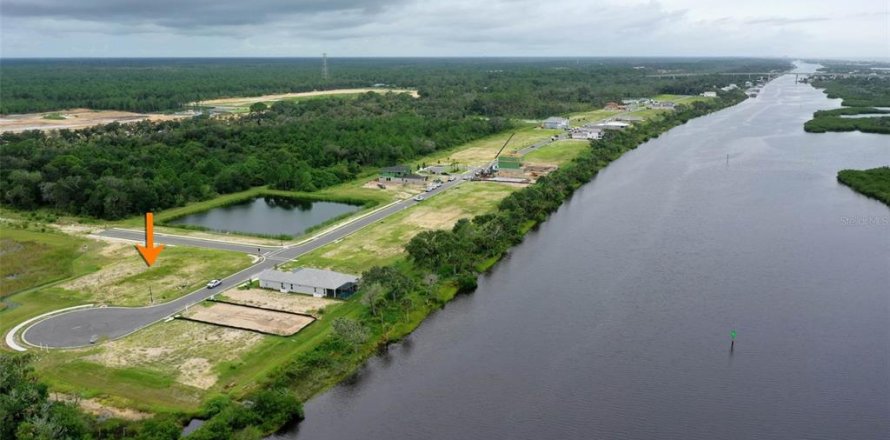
282, 28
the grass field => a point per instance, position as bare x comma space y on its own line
33, 258
557, 153
127, 281
383, 243
577, 119
165, 367
483, 150
681, 99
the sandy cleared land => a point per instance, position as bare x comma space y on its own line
270, 299
246, 101
189, 351
75, 118
278, 323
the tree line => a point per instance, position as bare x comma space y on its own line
118, 170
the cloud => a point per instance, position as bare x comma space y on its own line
440, 28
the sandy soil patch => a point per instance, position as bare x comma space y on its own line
188, 350
97, 408
443, 218
267, 321
270, 299
75, 118
245, 101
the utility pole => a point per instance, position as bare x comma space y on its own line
151, 297
324, 66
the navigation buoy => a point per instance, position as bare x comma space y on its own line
732, 344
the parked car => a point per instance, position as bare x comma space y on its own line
418, 198
213, 283
452, 178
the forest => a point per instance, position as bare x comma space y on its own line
874, 183
525, 87
116, 170
858, 92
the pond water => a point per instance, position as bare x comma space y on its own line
268, 216
613, 319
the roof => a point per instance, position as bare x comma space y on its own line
306, 276
396, 169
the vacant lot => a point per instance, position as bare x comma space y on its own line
167, 366
557, 153
127, 281
75, 118
483, 151
384, 242
33, 258
266, 321
270, 299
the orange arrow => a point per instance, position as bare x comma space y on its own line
149, 251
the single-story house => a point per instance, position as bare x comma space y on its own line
555, 122
709, 94
400, 174
612, 125
629, 118
586, 133
315, 282
664, 105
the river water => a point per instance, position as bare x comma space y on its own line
613, 319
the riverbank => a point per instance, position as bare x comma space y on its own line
395, 299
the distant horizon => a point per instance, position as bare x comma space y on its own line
852, 29
480, 57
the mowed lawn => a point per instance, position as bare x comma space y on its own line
384, 242
483, 151
32, 258
557, 153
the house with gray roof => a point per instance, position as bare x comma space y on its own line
315, 282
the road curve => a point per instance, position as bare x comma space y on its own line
76, 328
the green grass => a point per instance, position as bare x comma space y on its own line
681, 99
558, 152
33, 258
874, 183
577, 119
54, 116
383, 243
482, 151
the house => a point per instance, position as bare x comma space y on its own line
662, 105
629, 118
315, 282
709, 94
586, 133
611, 125
400, 174
555, 122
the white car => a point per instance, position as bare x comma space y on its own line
418, 198
213, 283
452, 178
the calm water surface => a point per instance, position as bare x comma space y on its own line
268, 216
612, 320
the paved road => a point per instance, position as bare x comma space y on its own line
178, 240
76, 328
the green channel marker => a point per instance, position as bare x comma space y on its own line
732, 334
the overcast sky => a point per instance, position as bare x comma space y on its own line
220, 28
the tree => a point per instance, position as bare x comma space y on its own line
258, 107
372, 295
350, 331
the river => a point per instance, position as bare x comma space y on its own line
612, 320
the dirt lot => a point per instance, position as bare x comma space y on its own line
270, 299
187, 350
75, 118
278, 323
246, 101
97, 408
